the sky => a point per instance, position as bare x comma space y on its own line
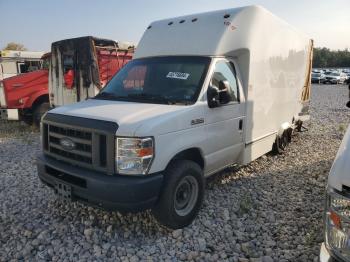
38, 23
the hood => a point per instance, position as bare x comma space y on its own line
134, 119
339, 174
23, 87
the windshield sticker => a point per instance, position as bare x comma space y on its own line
178, 75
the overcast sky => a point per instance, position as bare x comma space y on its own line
38, 23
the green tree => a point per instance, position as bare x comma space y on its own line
15, 46
324, 57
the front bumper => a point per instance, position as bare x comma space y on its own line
9, 114
122, 193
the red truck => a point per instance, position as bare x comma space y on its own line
75, 70
25, 96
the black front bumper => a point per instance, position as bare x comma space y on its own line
122, 193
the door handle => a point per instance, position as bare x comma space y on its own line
240, 125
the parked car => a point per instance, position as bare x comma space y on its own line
335, 78
318, 78
337, 216
200, 95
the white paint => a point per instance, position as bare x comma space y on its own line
339, 174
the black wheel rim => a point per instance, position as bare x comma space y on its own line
186, 195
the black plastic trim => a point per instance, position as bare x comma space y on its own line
82, 122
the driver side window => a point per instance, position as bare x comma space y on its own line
224, 71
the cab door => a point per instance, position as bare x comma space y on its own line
225, 122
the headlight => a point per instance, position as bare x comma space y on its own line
338, 224
134, 155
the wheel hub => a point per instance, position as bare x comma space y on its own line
186, 195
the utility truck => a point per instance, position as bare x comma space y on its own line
203, 92
81, 66
13, 62
25, 96
337, 209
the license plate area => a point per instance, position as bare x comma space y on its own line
64, 191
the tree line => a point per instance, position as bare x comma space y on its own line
324, 57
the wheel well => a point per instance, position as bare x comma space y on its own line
39, 100
193, 154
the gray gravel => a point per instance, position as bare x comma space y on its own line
269, 210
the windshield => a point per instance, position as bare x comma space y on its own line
160, 80
46, 63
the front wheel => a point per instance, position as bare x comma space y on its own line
181, 196
39, 111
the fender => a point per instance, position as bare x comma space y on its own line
31, 99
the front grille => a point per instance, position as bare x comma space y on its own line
90, 146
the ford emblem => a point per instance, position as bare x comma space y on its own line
67, 143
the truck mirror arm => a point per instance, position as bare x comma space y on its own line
348, 103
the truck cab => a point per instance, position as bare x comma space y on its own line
183, 109
336, 246
13, 63
25, 96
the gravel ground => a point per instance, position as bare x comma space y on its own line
269, 210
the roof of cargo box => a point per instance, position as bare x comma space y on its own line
214, 33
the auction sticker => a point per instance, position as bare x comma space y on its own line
178, 75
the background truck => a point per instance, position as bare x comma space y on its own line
25, 96
80, 67
337, 216
13, 63
203, 92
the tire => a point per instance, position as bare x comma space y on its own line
39, 111
182, 194
282, 142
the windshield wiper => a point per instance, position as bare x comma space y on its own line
108, 96
150, 97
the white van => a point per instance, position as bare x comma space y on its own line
204, 92
337, 210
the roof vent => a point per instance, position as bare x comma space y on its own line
182, 21
194, 20
170, 23
226, 16
149, 27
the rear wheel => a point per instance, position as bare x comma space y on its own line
39, 111
282, 141
181, 196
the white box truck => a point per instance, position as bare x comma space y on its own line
337, 209
204, 92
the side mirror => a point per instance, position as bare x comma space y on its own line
213, 96
218, 96
224, 96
